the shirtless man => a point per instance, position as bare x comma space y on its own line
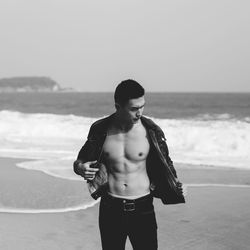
125, 149
126, 208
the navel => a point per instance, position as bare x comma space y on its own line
140, 154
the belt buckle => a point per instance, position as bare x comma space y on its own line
128, 206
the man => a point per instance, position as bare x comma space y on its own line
134, 165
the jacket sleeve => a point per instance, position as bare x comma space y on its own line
164, 149
84, 154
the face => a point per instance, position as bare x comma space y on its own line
132, 111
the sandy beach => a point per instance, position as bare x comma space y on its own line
214, 217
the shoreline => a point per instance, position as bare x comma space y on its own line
212, 217
25, 190
191, 176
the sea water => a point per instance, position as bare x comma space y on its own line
50, 128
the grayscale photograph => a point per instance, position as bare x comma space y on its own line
124, 125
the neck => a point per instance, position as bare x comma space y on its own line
122, 124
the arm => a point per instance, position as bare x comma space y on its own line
164, 149
82, 166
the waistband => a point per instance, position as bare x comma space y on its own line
127, 205
134, 197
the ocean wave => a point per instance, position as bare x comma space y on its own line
220, 143
213, 117
16, 126
52, 138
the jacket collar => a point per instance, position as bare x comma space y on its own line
102, 125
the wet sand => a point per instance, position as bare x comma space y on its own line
213, 218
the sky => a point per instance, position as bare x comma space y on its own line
170, 46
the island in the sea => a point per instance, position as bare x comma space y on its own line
30, 84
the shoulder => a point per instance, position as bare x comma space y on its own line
101, 125
150, 124
99, 122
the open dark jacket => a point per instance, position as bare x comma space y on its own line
160, 169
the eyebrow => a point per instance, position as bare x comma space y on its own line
136, 107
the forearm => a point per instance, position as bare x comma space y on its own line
81, 157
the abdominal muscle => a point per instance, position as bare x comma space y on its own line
125, 159
133, 181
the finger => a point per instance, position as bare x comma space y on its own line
89, 176
90, 173
92, 177
184, 190
92, 162
92, 170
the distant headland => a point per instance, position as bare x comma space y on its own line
31, 84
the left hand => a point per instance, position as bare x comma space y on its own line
182, 188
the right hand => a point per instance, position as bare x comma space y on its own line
86, 171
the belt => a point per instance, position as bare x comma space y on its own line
144, 203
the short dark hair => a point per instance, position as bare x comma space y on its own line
126, 90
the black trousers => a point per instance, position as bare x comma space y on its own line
119, 218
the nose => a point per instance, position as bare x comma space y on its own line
139, 113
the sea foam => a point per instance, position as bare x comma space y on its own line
55, 140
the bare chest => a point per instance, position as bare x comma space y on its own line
133, 146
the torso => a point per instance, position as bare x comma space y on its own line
125, 155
